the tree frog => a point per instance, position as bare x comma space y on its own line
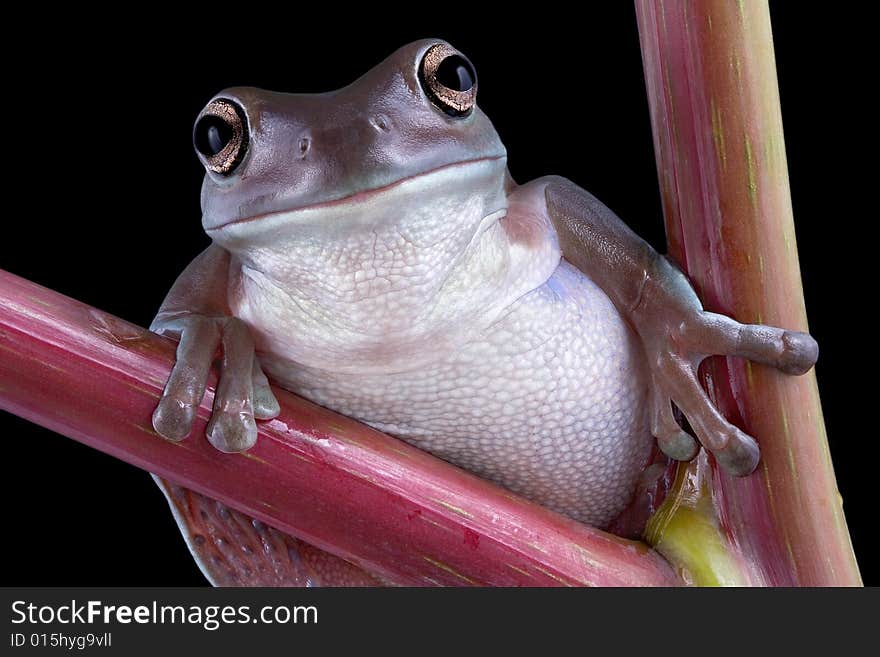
371, 252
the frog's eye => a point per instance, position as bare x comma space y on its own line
221, 136
449, 80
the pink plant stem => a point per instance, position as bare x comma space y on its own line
711, 78
324, 478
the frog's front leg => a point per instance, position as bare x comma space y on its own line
676, 333
196, 313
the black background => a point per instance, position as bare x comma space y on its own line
102, 205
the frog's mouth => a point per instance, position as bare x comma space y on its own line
476, 169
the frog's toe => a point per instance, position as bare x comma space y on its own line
792, 352
734, 450
800, 352
232, 427
673, 441
174, 415
232, 432
741, 456
266, 406
679, 445
173, 418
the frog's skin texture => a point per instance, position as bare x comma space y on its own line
371, 249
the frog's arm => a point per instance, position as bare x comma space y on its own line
196, 312
231, 548
676, 333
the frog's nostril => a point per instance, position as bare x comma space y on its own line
381, 123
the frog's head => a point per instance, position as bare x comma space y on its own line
406, 135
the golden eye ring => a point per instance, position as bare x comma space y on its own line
449, 80
220, 136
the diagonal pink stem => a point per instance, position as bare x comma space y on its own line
326, 479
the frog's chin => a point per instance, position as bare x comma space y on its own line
462, 181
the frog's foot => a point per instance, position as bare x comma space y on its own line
674, 375
242, 394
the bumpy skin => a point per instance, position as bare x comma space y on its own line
374, 253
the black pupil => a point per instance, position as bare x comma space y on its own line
211, 135
456, 73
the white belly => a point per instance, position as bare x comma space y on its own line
549, 401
